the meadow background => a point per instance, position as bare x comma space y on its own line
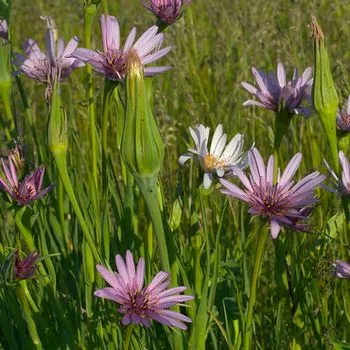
300, 305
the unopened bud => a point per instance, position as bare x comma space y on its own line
325, 97
142, 148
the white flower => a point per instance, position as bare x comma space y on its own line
343, 185
220, 159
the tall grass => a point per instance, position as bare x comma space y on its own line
299, 303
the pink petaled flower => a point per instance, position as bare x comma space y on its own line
283, 202
3, 29
24, 269
275, 93
56, 62
140, 304
342, 269
343, 117
26, 191
168, 11
342, 185
112, 61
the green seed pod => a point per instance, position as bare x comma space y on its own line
142, 148
325, 97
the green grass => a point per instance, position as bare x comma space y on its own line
299, 305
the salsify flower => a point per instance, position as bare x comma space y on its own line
167, 11
24, 269
55, 63
3, 29
342, 269
342, 185
343, 117
219, 159
275, 93
27, 190
112, 61
282, 202
140, 304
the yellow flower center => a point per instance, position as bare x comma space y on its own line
212, 163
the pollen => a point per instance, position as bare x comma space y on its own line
211, 163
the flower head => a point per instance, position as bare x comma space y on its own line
24, 269
27, 190
342, 185
283, 202
343, 117
219, 159
275, 93
167, 11
140, 304
342, 269
112, 61
55, 63
3, 29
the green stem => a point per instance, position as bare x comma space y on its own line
9, 124
27, 315
104, 6
252, 292
128, 334
89, 14
148, 189
61, 162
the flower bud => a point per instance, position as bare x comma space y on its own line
325, 97
142, 148
57, 128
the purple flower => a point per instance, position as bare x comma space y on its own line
284, 202
24, 269
168, 11
26, 191
56, 62
342, 269
140, 304
343, 117
275, 93
220, 159
343, 185
3, 29
112, 61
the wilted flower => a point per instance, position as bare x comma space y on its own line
219, 159
3, 29
26, 191
57, 62
140, 304
342, 269
284, 202
275, 93
343, 117
343, 185
24, 269
112, 61
167, 11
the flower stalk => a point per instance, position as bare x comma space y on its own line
142, 148
58, 143
260, 248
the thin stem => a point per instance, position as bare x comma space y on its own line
61, 162
148, 189
128, 334
252, 295
104, 6
89, 14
